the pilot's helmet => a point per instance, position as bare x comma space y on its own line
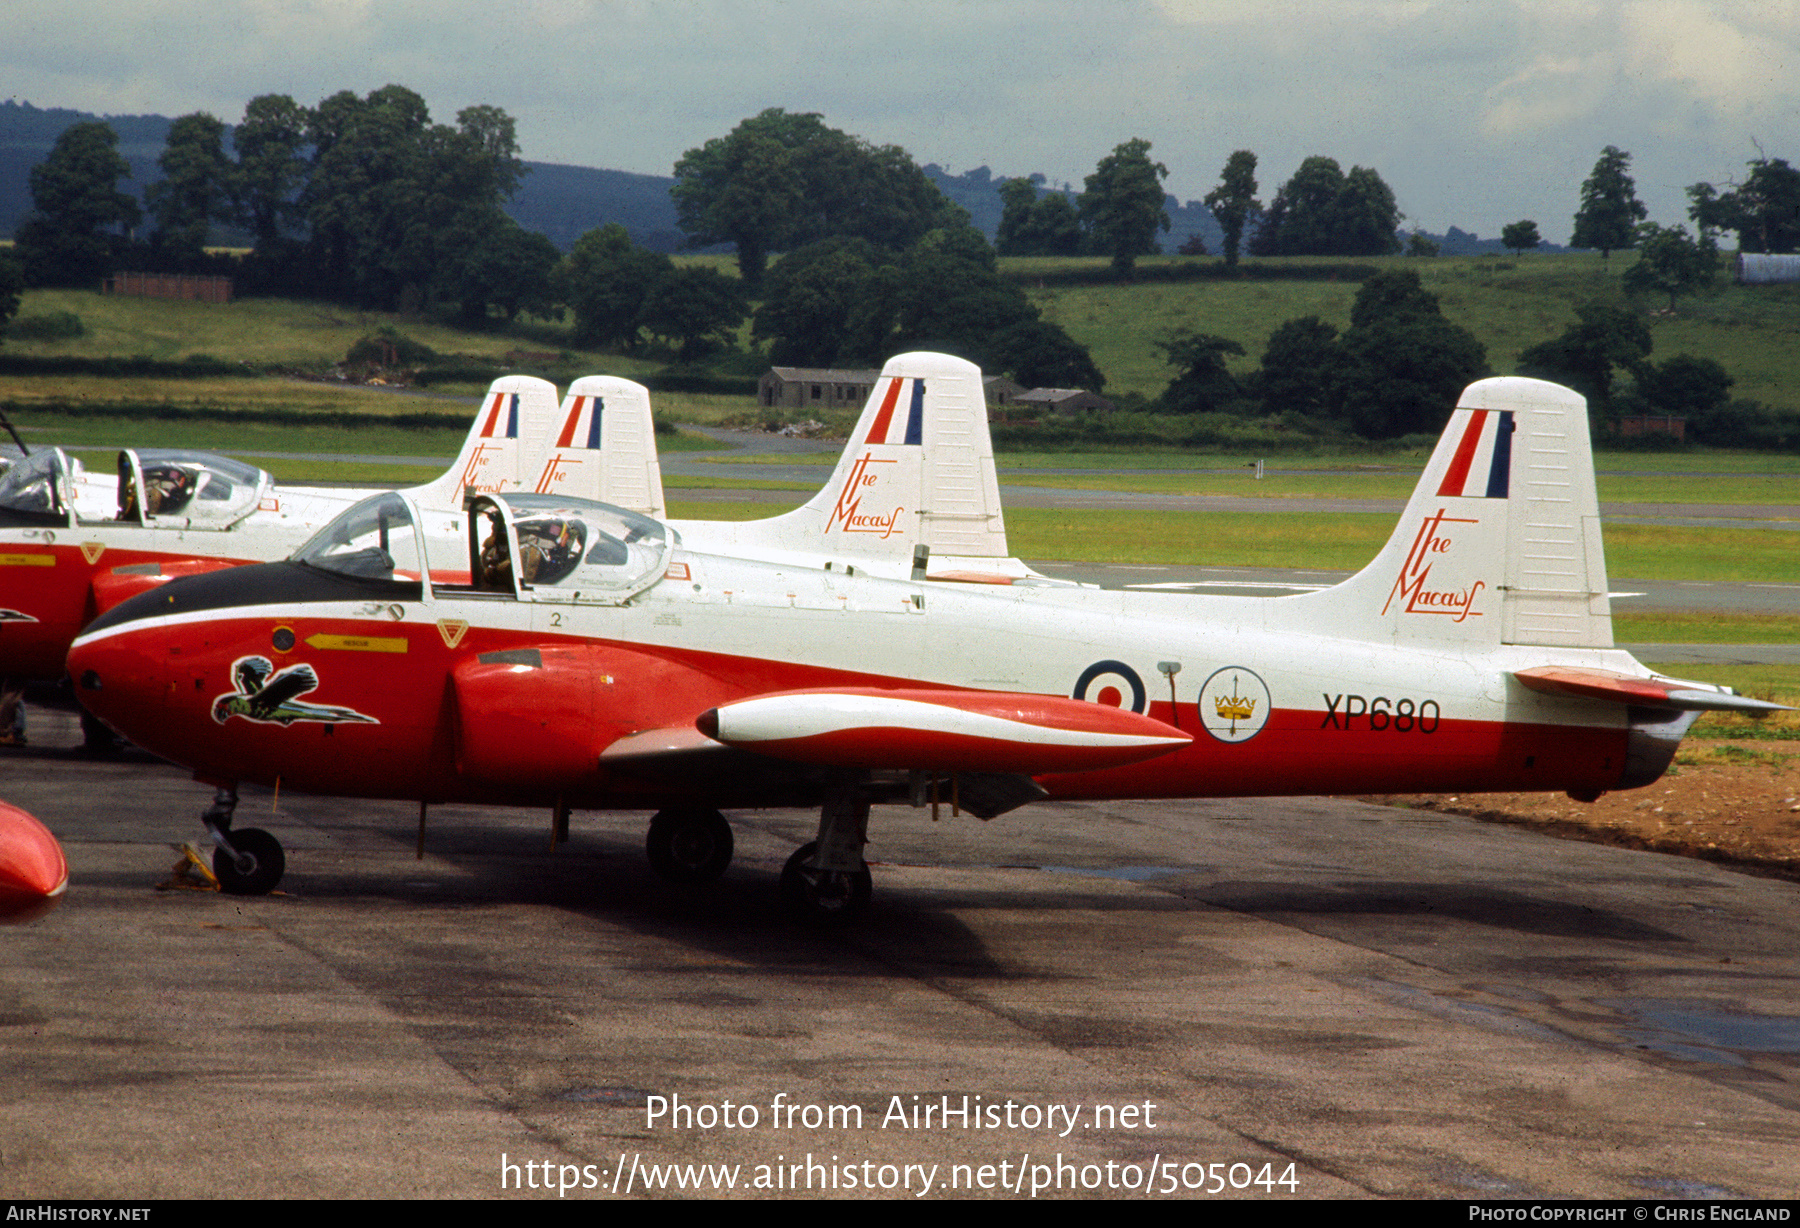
167, 489
549, 548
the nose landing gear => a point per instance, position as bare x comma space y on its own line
248, 861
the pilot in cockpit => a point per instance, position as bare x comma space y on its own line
167, 489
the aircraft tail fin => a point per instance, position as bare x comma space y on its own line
604, 447
502, 445
1500, 542
918, 471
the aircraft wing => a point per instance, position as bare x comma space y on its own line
1648, 692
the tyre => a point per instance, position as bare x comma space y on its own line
689, 845
260, 868
824, 897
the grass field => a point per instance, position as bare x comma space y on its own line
1774, 491
1776, 683
1708, 629
1346, 542
1370, 460
288, 332
1509, 304
1343, 542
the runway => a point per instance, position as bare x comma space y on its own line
1298, 998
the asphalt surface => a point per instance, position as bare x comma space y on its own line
1365, 1002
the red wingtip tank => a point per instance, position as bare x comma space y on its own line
33, 872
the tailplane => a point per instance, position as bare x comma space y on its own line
604, 447
503, 445
1500, 542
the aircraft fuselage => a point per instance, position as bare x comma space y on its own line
448, 694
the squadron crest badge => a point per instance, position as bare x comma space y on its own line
269, 696
1234, 704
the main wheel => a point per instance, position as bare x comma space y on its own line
827, 897
256, 869
689, 845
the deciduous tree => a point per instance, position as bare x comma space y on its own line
606, 278
1202, 384
195, 191
1684, 386
1520, 237
1610, 209
1405, 363
1036, 226
1233, 203
1040, 354
271, 171
1367, 216
1670, 262
781, 180
826, 304
1323, 212
1764, 210
81, 219
394, 203
12, 285
1302, 369
1122, 207
504, 266
698, 310
1421, 244
1604, 337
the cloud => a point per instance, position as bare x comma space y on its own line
1739, 59
1476, 113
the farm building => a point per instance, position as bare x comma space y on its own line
801, 387
1069, 401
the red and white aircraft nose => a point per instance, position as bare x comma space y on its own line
33, 872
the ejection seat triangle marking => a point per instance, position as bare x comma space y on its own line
92, 551
452, 629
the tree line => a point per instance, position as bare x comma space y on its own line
361, 200
367, 201
1320, 211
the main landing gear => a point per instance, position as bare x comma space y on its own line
827, 881
689, 844
248, 861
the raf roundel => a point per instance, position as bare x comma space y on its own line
1112, 683
1234, 704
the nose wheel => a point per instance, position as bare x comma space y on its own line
689, 845
255, 866
246, 862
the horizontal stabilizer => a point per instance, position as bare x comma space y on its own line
981, 731
1647, 692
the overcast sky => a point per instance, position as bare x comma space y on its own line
1476, 112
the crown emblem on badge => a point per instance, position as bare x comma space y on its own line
1234, 707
